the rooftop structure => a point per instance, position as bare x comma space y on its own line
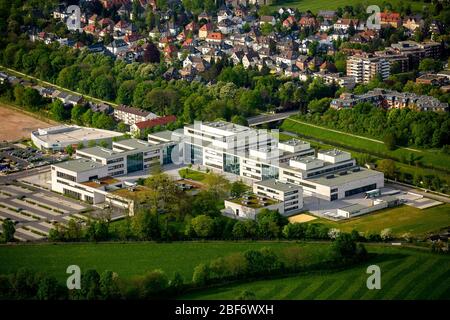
58, 137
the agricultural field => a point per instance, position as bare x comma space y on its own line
128, 259
315, 5
405, 274
400, 220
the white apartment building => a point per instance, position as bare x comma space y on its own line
366, 67
131, 115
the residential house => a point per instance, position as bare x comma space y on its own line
289, 22
413, 22
139, 127
215, 37
205, 30
392, 19
117, 46
267, 19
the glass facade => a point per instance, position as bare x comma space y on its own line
135, 162
167, 154
269, 172
361, 189
231, 164
195, 154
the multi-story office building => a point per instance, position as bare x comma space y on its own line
332, 175
255, 156
92, 176
367, 67
280, 172
290, 195
125, 157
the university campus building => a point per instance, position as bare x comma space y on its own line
281, 173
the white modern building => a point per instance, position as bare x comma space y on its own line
92, 176
364, 68
281, 173
59, 137
255, 155
290, 195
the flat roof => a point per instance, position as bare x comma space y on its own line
277, 185
99, 152
341, 179
101, 182
134, 144
353, 208
165, 135
79, 165
75, 134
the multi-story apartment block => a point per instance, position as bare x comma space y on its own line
416, 51
390, 99
130, 115
366, 67
335, 78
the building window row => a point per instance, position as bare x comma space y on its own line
114, 160
66, 176
117, 166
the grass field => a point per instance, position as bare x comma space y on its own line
127, 259
195, 175
430, 158
405, 274
315, 5
400, 220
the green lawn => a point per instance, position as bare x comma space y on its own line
401, 220
432, 158
316, 5
192, 174
405, 274
127, 259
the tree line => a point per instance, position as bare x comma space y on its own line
26, 284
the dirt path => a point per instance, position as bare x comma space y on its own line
16, 124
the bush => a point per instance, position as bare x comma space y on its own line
386, 234
333, 233
247, 295
293, 231
153, 284
202, 274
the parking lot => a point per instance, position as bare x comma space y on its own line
35, 211
17, 157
